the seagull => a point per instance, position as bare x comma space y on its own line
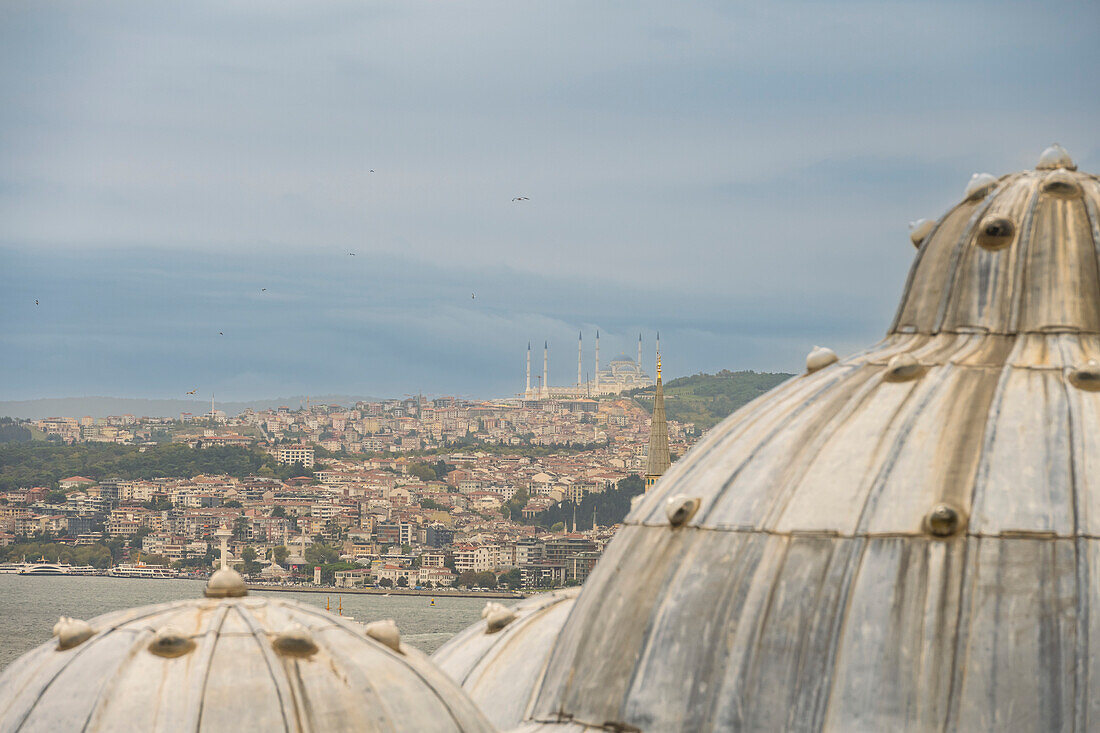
220, 333
192, 391
263, 290
351, 254
521, 198
472, 296
372, 170
36, 301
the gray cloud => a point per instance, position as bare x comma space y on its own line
738, 176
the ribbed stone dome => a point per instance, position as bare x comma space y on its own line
231, 664
499, 668
906, 538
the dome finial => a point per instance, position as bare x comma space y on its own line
1055, 157
225, 582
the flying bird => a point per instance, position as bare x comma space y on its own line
220, 333
521, 198
263, 290
351, 254
36, 301
472, 296
192, 391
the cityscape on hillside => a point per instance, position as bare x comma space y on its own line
412, 493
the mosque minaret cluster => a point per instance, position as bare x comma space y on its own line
621, 374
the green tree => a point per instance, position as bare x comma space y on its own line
385, 583
55, 497
251, 565
557, 527
281, 554
278, 511
402, 582
485, 580
240, 527
321, 554
232, 504
512, 579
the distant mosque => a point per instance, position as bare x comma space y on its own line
620, 375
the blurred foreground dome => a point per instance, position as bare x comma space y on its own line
907, 538
229, 663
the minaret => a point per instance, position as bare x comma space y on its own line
578, 363
545, 369
639, 362
658, 460
527, 389
597, 363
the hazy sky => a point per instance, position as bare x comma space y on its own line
737, 176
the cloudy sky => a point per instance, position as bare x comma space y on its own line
738, 176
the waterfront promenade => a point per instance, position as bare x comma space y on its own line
432, 593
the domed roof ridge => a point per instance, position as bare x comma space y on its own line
229, 662
1020, 257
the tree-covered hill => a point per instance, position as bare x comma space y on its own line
44, 464
707, 399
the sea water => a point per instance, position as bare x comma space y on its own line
30, 606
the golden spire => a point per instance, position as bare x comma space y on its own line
658, 459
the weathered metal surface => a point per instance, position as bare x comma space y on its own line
908, 538
252, 664
500, 670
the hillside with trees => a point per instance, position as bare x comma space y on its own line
44, 464
707, 399
610, 507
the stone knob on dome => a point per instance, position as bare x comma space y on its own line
1055, 157
1086, 377
295, 641
170, 642
225, 583
496, 616
679, 509
903, 368
819, 358
980, 184
1062, 184
71, 632
385, 631
996, 232
920, 229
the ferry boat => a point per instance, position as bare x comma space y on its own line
141, 570
46, 568
52, 568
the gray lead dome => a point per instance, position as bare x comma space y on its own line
873, 552
231, 664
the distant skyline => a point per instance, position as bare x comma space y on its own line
182, 186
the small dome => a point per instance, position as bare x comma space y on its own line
903, 539
499, 669
228, 665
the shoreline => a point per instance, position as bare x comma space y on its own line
512, 595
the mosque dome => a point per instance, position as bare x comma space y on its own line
499, 667
229, 663
906, 538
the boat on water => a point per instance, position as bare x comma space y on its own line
141, 570
46, 568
